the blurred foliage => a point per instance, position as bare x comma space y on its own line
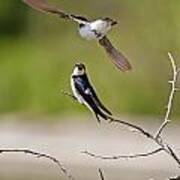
38, 52
13, 17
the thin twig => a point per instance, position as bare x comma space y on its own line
68, 94
131, 125
124, 156
173, 154
39, 155
171, 96
101, 174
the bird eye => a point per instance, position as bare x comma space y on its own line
80, 68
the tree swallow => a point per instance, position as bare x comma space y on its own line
89, 30
85, 93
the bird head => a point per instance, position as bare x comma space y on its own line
79, 69
110, 21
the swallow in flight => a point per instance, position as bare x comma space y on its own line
88, 29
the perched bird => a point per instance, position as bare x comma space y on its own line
85, 93
96, 29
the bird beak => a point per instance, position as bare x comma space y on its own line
114, 23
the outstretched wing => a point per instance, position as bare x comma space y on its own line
42, 5
117, 57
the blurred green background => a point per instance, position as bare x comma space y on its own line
38, 51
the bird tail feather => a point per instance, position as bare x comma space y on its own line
116, 56
99, 114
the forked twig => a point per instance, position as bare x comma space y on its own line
39, 155
171, 95
163, 146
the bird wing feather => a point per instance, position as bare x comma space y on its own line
88, 90
85, 93
98, 102
117, 57
43, 5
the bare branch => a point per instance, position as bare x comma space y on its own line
68, 94
171, 96
124, 156
39, 155
135, 127
101, 174
173, 154
163, 146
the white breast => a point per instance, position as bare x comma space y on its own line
100, 26
78, 96
86, 32
75, 93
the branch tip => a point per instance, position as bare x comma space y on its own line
40, 155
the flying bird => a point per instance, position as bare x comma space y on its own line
85, 94
88, 29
